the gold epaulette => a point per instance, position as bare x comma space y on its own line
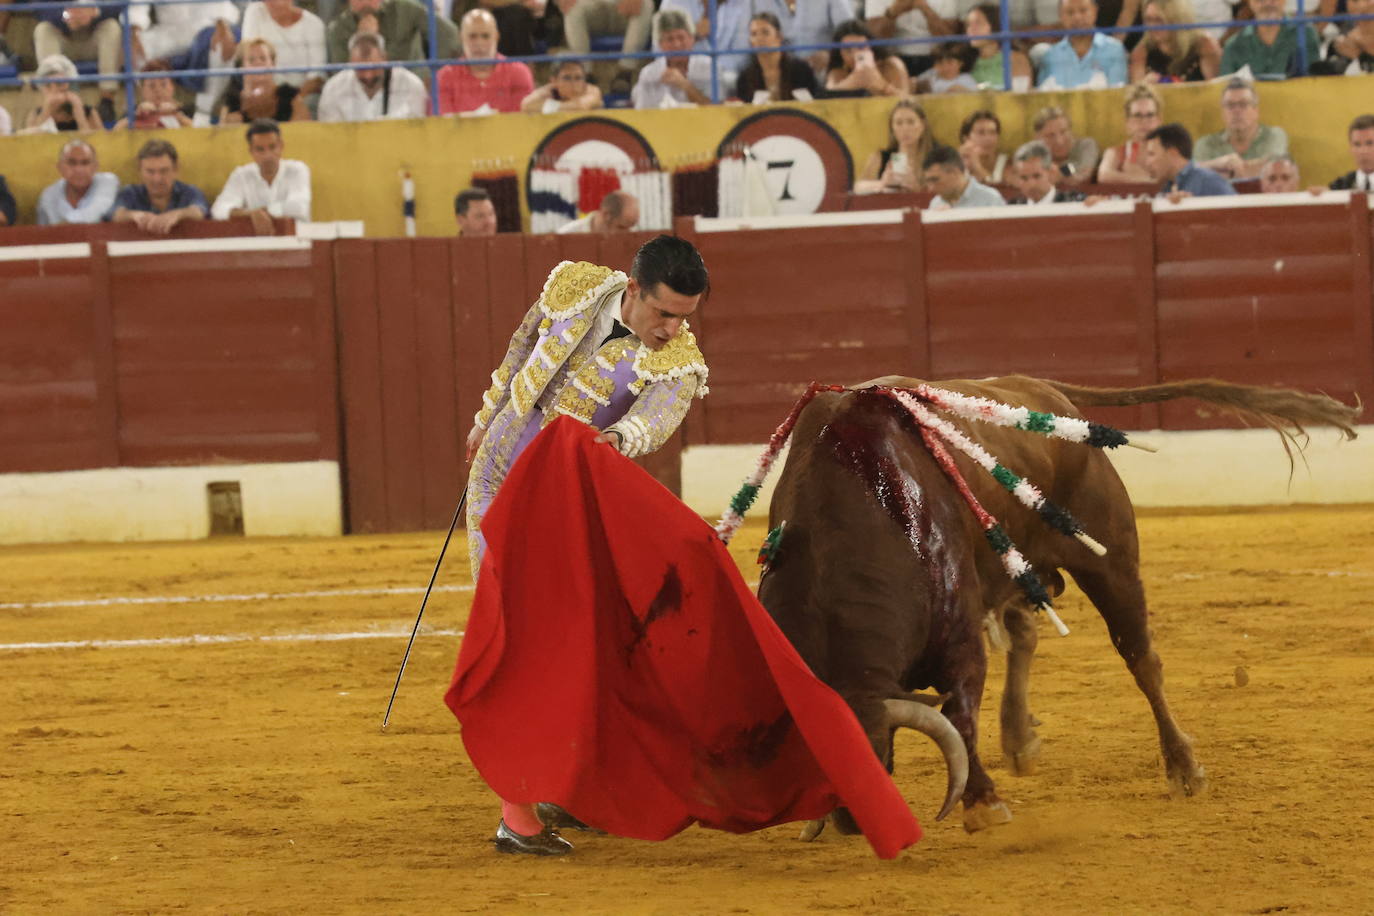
576, 286
675, 359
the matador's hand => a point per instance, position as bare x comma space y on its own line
606, 437
474, 440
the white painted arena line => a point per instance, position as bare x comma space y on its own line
218, 640
254, 596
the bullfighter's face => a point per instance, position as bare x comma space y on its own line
656, 315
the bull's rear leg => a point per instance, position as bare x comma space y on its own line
963, 681
1020, 744
1120, 598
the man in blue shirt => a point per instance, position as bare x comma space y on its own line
1076, 60
83, 195
160, 202
1169, 158
947, 175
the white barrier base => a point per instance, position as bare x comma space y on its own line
1205, 468
167, 504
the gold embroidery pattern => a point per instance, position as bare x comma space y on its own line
678, 357
574, 286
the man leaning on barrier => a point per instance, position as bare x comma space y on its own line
83, 194
160, 202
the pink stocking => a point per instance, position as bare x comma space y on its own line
520, 818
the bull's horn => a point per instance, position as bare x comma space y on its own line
937, 728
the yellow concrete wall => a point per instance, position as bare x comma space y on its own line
355, 165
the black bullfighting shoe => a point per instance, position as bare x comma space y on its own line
546, 842
551, 815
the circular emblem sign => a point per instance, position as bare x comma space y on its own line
803, 157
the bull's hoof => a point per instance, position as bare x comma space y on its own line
1189, 782
1021, 761
983, 815
812, 829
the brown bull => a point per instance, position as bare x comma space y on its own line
882, 577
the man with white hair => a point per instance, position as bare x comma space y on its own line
83, 194
678, 75
1035, 174
373, 93
619, 212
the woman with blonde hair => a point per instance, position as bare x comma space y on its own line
260, 95
898, 166
1174, 55
1127, 161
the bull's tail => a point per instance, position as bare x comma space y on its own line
1283, 410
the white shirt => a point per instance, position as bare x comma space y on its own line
177, 24
301, 45
343, 98
5, 124
912, 23
1364, 181
287, 196
576, 226
54, 209
650, 91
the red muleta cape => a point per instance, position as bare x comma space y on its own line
616, 663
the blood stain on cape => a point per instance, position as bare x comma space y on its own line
667, 601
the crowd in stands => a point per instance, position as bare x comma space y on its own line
280, 47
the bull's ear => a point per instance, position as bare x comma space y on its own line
771, 545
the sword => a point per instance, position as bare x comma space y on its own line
462, 501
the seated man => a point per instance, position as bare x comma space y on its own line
680, 76
1269, 50
403, 25
83, 194
1168, 156
954, 187
732, 28
568, 89
475, 212
1034, 173
619, 212
1280, 176
375, 93
1361, 135
269, 186
627, 18
1240, 150
520, 22
84, 32
161, 201
1083, 60
495, 87
1075, 157
7, 209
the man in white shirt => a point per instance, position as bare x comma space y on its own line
374, 93
268, 187
619, 212
84, 194
685, 78
176, 27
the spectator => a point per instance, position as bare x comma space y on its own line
269, 186
619, 212
1168, 156
1126, 162
157, 107
568, 89
772, 74
1269, 50
912, 19
1036, 175
947, 75
909, 141
480, 87
1082, 60
812, 22
373, 93
1178, 55
1361, 136
62, 108
628, 18
979, 136
682, 77
84, 32
518, 22
1280, 176
1353, 52
161, 202
986, 19
6, 126
403, 25
181, 35
7, 209
859, 69
732, 19
475, 212
83, 194
1239, 151
260, 95
296, 37
1075, 157
954, 188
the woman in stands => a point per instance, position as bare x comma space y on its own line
771, 69
568, 89
979, 137
1175, 55
1126, 162
1353, 52
899, 166
985, 19
860, 69
61, 108
157, 105
260, 95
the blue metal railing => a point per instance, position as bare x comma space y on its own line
1005, 37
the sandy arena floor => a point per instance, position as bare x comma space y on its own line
140, 773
